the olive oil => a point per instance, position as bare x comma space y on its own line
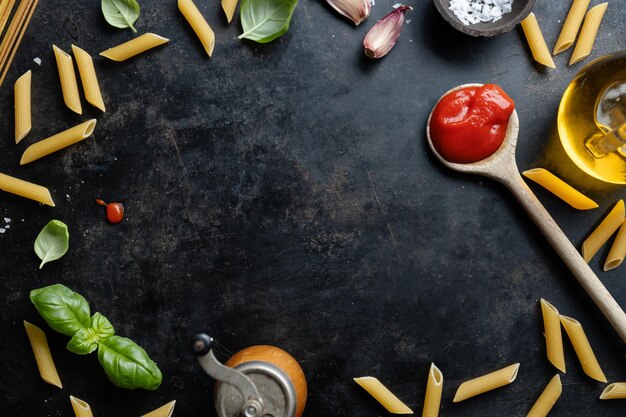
592, 117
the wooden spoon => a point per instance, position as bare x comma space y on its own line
501, 167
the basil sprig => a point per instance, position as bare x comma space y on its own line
125, 363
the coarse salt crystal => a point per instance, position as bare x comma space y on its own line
2, 230
470, 12
7, 220
37, 60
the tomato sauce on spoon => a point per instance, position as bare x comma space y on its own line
469, 124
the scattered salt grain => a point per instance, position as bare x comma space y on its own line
408, 21
37, 60
2, 230
470, 12
7, 220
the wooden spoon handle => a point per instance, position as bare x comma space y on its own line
570, 255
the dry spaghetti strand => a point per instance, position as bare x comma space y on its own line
17, 35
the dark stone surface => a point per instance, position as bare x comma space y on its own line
284, 194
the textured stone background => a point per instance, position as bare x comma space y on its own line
284, 194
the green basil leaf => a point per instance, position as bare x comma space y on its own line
52, 242
101, 326
127, 365
64, 310
265, 20
121, 13
83, 342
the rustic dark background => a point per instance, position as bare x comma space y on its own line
284, 194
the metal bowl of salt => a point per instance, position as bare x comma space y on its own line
484, 17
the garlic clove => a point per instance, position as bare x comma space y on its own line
355, 10
381, 38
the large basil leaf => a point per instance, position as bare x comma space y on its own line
86, 340
127, 365
52, 242
265, 20
64, 310
121, 13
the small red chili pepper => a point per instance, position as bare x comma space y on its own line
115, 211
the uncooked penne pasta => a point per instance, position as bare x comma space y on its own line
552, 331
618, 250
560, 188
134, 47
536, 42
614, 391
572, 24
164, 411
198, 24
80, 407
385, 397
434, 386
583, 349
547, 399
59, 141
43, 357
22, 106
88, 78
26, 189
603, 232
69, 87
588, 33
229, 7
482, 384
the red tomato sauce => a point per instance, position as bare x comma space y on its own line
469, 124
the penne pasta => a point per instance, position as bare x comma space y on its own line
547, 399
536, 42
69, 87
572, 24
164, 411
603, 232
434, 387
43, 357
134, 47
229, 7
618, 249
385, 397
26, 189
482, 384
59, 141
198, 24
80, 407
552, 331
588, 33
614, 391
560, 188
88, 78
583, 349
22, 106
